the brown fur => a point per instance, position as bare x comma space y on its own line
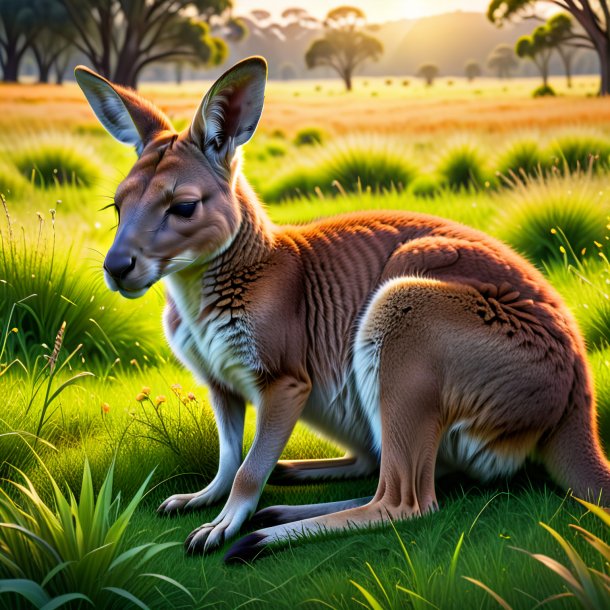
469, 339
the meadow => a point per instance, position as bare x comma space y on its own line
100, 407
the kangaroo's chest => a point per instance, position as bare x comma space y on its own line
215, 342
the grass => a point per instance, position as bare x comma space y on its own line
578, 151
50, 285
462, 166
73, 550
542, 217
523, 155
100, 421
50, 159
350, 165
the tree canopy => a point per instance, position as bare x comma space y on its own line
538, 47
18, 29
593, 17
121, 37
472, 69
345, 46
428, 72
502, 60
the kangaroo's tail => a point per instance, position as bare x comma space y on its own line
571, 451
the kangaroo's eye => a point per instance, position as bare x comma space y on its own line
184, 210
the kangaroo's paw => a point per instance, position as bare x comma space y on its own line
210, 536
179, 503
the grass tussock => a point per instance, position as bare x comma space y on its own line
578, 151
544, 215
52, 159
12, 183
43, 285
347, 165
73, 551
462, 166
522, 156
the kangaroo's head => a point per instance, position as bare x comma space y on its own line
177, 205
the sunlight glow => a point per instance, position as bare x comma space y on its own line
376, 11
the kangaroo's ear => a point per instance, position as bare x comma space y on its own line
126, 116
229, 112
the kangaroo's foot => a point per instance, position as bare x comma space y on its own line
217, 490
278, 515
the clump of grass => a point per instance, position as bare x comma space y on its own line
51, 160
578, 151
74, 551
347, 165
308, 136
522, 156
462, 166
545, 214
544, 91
276, 148
181, 423
426, 186
12, 183
43, 284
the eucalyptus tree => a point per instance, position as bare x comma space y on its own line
345, 46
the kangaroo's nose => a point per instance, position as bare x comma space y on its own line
119, 263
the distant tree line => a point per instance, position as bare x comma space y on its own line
118, 38
556, 35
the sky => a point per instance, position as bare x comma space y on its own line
376, 10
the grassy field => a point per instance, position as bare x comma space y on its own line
57, 169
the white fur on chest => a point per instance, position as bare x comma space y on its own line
217, 347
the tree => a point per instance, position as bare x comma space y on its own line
473, 70
538, 47
593, 16
52, 43
17, 31
344, 46
122, 37
561, 30
502, 61
428, 72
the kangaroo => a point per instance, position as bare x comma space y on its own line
420, 345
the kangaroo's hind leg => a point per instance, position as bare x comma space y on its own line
411, 424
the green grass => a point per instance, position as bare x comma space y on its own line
73, 550
579, 150
462, 166
350, 165
549, 219
51, 284
522, 155
51, 159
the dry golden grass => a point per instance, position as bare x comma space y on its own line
485, 106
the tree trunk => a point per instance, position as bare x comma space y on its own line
11, 68
604, 63
347, 78
43, 73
